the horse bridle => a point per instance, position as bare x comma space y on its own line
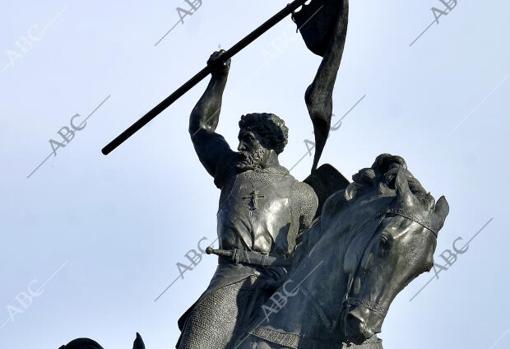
375, 307
406, 214
348, 301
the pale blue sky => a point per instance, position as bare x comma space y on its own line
107, 232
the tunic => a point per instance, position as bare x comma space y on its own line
260, 210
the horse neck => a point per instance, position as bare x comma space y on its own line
317, 283
316, 286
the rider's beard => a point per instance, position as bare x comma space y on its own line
252, 160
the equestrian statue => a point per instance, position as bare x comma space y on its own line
306, 264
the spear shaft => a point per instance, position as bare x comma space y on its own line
202, 74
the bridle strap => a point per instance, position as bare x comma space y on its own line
410, 216
350, 282
395, 212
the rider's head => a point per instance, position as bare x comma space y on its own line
260, 134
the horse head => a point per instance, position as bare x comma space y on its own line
401, 248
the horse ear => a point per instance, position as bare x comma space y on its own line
442, 208
138, 344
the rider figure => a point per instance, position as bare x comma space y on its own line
262, 209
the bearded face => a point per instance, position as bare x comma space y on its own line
253, 154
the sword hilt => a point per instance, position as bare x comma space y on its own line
219, 252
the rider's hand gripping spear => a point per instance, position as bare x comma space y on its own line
319, 23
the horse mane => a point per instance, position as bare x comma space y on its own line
381, 177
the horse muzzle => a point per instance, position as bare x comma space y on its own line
355, 329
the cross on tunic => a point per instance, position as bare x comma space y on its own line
253, 197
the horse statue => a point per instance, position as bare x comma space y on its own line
371, 240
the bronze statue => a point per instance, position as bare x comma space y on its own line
262, 208
307, 264
372, 239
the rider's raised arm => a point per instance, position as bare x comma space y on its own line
211, 148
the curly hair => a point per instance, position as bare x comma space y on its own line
271, 129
